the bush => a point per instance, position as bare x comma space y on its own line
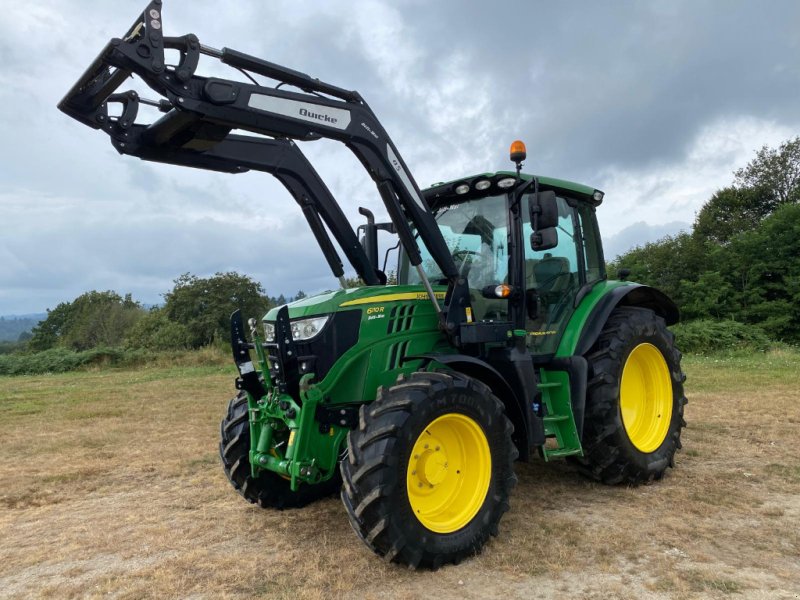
712, 337
60, 360
10, 347
204, 306
92, 320
156, 332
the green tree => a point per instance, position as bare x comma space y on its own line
48, 332
774, 170
155, 331
100, 319
354, 281
666, 264
93, 319
731, 211
710, 296
763, 268
204, 305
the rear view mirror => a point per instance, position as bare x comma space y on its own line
544, 239
543, 208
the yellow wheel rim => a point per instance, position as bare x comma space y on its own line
449, 473
645, 397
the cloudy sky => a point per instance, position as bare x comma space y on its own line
656, 103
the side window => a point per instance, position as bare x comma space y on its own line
593, 249
552, 278
556, 267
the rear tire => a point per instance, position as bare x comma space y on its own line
635, 400
430, 469
268, 490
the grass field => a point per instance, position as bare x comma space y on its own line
110, 486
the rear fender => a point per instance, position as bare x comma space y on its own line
626, 295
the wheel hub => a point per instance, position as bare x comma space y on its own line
646, 397
432, 465
449, 471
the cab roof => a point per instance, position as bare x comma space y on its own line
438, 192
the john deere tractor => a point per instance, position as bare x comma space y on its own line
502, 339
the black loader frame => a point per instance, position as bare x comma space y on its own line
202, 111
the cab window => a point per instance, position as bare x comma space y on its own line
552, 279
476, 232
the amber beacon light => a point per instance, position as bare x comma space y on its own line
518, 152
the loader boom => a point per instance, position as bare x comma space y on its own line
201, 112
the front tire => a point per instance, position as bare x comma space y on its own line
268, 490
430, 469
635, 400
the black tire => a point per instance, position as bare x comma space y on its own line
610, 455
375, 491
269, 490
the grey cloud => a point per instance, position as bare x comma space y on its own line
640, 234
591, 87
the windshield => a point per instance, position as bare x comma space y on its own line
476, 231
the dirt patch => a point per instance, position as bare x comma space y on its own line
110, 486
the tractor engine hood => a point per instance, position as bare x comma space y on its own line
335, 301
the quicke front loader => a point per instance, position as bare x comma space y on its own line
503, 337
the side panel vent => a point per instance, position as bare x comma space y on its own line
396, 355
400, 318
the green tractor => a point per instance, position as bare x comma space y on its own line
502, 338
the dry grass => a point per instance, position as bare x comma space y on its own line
110, 486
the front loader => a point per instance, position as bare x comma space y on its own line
502, 339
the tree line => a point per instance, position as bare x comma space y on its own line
740, 264
195, 313
741, 261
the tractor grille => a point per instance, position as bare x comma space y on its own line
319, 354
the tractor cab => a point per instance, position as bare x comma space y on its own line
486, 222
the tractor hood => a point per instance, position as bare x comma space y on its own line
334, 301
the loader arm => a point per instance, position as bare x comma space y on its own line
200, 112
279, 157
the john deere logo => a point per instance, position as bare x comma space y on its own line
317, 116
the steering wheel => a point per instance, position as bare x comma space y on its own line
465, 263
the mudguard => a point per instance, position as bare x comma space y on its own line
626, 295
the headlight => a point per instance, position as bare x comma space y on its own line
305, 329
269, 332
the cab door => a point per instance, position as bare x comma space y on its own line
552, 278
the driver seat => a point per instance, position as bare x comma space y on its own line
552, 275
